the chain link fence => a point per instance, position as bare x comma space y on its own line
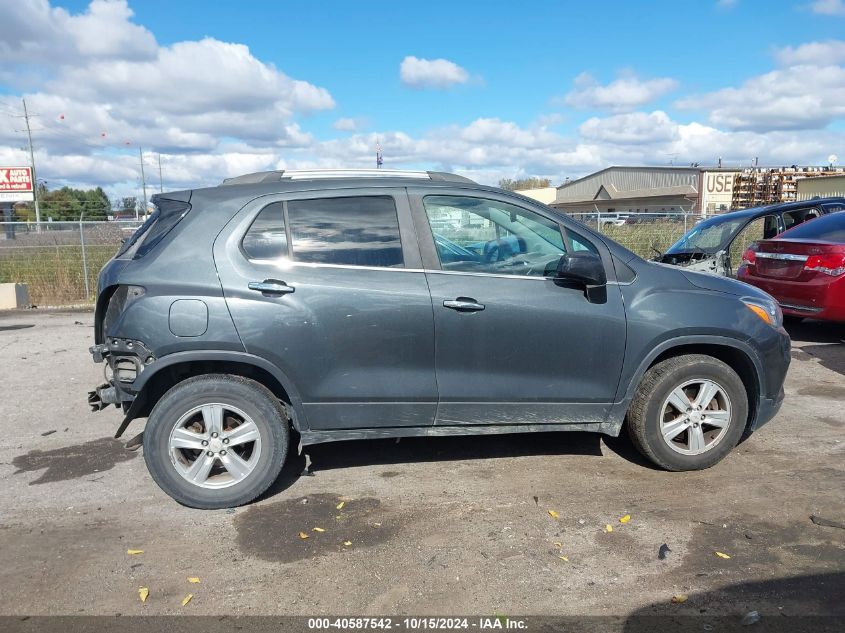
59, 261
646, 234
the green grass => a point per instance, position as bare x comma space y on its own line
54, 274
644, 238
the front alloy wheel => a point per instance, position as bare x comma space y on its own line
688, 412
696, 416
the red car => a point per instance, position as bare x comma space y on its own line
803, 268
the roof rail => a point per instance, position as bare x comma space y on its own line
321, 174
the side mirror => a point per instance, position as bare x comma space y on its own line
581, 267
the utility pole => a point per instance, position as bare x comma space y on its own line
143, 182
32, 165
160, 185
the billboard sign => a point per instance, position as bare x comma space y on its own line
16, 184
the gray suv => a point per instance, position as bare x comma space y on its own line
350, 305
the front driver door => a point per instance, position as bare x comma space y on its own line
512, 345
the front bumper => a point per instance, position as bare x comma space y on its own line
768, 409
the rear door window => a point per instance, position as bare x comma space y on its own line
830, 228
352, 231
799, 216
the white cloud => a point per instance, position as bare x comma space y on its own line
632, 128
813, 54
347, 124
620, 95
431, 73
828, 7
95, 90
808, 93
105, 86
34, 32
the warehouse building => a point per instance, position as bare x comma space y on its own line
632, 190
705, 190
821, 187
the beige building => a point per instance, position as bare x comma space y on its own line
546, 195
632, 190
705, 190
821, 187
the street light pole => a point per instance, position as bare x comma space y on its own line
32, 166
143, 182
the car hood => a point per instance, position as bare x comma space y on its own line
717, 283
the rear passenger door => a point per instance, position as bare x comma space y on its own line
328, 286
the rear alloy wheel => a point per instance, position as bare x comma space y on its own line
216, 441
688, 412
215, 445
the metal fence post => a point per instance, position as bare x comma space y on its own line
84, 258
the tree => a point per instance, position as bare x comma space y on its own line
128, 204
69, 204
521, 184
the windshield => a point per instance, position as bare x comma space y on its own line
710, 236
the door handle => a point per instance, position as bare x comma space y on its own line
463, 304
271, 287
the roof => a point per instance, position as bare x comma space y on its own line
629, 183
631, 168
332, 174
259, 186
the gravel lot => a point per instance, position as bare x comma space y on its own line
446, 525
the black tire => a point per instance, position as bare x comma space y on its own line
644, 415
251, 398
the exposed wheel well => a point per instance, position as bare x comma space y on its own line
734, 358
166, 378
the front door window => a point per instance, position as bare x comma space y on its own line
488, 236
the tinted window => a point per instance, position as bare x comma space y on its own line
829, 228
488, 236
797, 216
266, 237
355, 231
169, 213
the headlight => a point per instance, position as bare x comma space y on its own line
767, 309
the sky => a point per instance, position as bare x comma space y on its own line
487, 89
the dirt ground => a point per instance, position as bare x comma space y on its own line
437, 526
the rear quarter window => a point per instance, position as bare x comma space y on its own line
266, 237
